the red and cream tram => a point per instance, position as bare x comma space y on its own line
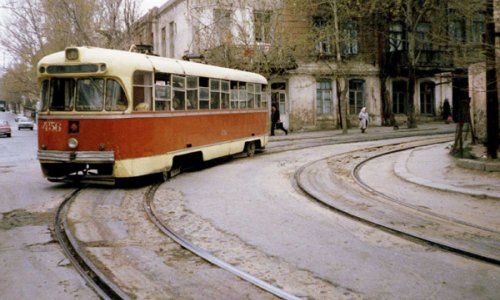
110, 114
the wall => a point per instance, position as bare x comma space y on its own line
301, 96
477, 92
176, 12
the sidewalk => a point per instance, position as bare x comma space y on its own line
433, 167
430, 166
371, 132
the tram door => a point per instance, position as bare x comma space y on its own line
278, 98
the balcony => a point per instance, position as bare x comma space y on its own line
427, 60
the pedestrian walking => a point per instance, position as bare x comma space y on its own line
447, 112
276, 121
363, 120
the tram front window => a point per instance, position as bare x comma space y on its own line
83, 94
62, 94
90, 94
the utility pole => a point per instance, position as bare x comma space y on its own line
491, 83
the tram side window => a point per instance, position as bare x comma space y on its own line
204, 93
62, 94
90, 94
234, 94
45, 95
162, 91
263, 96
192, 92
242, 94
143, 90
258, 95
224, 96
179, 87
250, 95
116, 100
214, 94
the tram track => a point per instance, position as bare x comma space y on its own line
96, 279
105, 274
149, 198
344, 191
148, 194
356, 176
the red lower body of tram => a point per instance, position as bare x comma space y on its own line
107, 147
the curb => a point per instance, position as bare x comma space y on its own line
402, 172
472, 164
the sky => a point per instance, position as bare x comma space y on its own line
148, 4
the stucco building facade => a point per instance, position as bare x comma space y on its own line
308, 72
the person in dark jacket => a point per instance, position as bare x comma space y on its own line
275, 120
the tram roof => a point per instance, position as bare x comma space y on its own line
131, 61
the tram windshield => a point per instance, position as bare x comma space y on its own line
83, 94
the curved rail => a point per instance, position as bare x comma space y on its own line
355, 175
345, 207
149, 196
102, 285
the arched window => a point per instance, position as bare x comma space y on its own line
427, 97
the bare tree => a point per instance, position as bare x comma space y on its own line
36, 28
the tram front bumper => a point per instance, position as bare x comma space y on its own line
90, 157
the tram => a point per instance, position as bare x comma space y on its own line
110, 114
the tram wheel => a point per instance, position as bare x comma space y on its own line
250, 149
165, 175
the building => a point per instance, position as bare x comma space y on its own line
319, 57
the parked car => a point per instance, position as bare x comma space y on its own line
5, 128
25, 123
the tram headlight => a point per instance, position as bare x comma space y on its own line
71, 54
72, 143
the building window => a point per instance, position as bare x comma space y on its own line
323, 96
350, 32
171, 38
163, 41
478, 29
396, 37
399, 96
262, 25
323, 35
456, 31
424, 39
222, 21
356, 95
427, 97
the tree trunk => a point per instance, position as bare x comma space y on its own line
491, 86
342, 96
412, 62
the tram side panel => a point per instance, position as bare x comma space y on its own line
141, 144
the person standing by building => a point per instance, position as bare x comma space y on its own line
363, 120
447, 112
275, 120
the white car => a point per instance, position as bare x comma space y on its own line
25, 123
